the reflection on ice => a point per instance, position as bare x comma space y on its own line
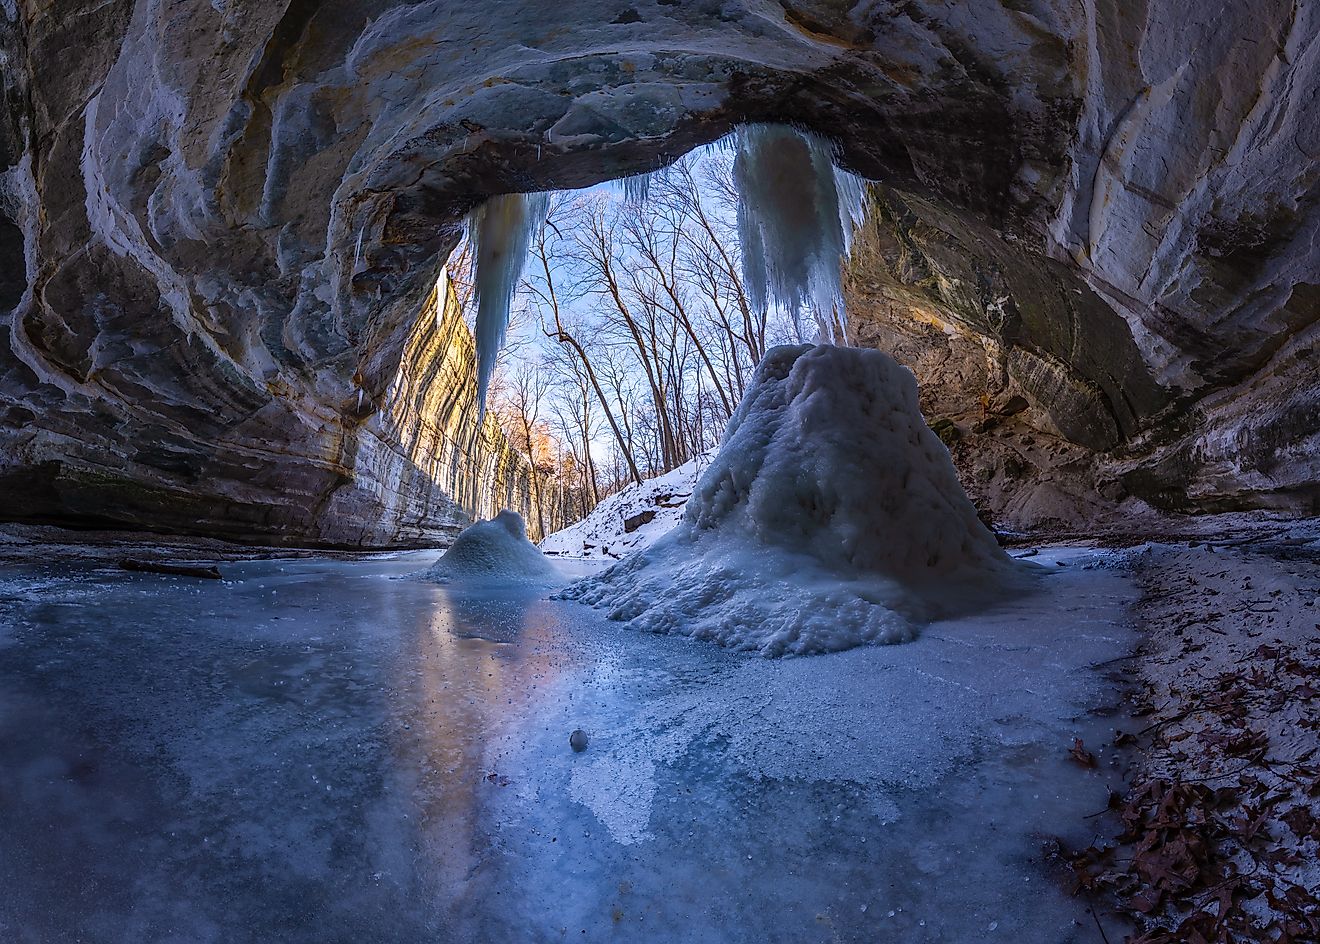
316, 752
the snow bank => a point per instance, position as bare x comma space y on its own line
494, 550
651, 509
831, 517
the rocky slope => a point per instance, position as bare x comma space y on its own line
219, 220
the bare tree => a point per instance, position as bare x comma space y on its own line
654, 235
572, 405
648, 336
545, 291
519, 411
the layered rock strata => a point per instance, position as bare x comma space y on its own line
219, 220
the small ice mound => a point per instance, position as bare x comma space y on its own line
494, 550
831, 517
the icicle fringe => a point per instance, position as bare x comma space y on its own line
796, 216
637, 188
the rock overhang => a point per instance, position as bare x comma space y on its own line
266, 190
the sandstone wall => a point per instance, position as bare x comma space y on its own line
214, 216
428, 419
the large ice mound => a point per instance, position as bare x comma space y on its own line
831, 517
494, 550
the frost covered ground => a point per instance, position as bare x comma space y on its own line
322, 750
1218, 835
631, 519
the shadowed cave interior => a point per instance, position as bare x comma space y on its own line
1062, 455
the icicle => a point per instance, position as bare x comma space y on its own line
796, 214
637, 188
501, 230
852, 204
755, 278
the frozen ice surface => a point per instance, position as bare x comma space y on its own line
314, 752
496, 550
603, 535
830, 517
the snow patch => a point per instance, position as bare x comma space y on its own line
831, 517
631, 519
620, 791
494, 550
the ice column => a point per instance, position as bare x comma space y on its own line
796, 215
501, 230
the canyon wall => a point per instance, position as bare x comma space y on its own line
219, 221
423, 466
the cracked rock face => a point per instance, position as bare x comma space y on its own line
219, 221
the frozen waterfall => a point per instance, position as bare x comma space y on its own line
501, 230
831, 517
796, 215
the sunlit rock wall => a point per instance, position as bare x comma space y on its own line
428, 419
